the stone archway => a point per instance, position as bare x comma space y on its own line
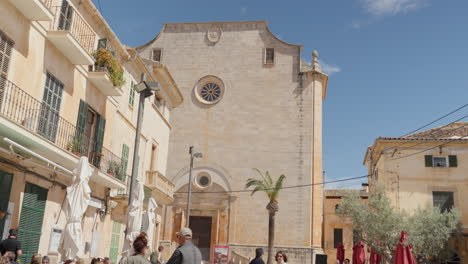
209, 208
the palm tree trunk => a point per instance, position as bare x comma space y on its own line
271, 236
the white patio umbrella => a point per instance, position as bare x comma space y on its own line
78, 197
149, 220
134, 217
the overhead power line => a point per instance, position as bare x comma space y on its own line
443, 144
289, 187
408, 142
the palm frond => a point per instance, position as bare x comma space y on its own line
278, 188
266, 184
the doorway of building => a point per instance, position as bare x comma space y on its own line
201, 237
6, 179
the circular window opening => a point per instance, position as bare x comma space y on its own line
203, 180
209, 90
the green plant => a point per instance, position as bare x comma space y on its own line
115, 168
271, 189
76, 144
105, 58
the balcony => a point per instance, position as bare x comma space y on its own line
101, 79
36, 10
163, 188
70, 33
41, 129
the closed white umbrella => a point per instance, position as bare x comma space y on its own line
149, 220
134, 216
78, 197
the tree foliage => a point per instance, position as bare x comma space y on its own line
379, 225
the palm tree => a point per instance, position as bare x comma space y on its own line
272, 190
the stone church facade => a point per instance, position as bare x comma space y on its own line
250, 102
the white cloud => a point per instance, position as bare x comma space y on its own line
329, 68
391, 7
243, 11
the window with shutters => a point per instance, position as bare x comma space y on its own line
125, 152
441, 162
31, 218
443, 200
115, 241
337, 237
269, 56
50, 108
89, 135
156, 55
6, 46
131, 99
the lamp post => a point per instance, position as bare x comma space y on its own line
189, 196
145, 89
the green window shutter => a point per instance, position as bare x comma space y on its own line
115, 239
32, 216
453, 162
81, 122
125, 152
98, 140
131, 100
428, 160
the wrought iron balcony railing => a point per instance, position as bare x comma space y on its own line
23, 109
66, 18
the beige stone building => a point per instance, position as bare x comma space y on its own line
337, 230
428, 168
250, 102
57, 104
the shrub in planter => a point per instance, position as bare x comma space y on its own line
105, 58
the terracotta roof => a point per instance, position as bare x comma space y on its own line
454, 131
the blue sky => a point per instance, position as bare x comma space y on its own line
394, 65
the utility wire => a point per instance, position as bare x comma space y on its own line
422, 142
440, 118
288, 187
404, 143
443, 144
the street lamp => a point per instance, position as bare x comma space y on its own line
189, 197
145, 89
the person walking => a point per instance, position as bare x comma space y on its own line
140, 245
187, 252
11, 244
156, 257
258, 257
281, 258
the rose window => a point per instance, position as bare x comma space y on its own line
210, 92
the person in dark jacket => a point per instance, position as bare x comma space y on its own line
187, 252
11, 244
258, 257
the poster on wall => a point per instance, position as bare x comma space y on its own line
55, 239
221, 254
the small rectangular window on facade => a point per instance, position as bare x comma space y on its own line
443, 200
337, 237
156, 55
269, 56
6, 46
439, 161
450, 161
131, 99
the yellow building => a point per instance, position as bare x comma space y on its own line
428, 168
337, 230
57, 104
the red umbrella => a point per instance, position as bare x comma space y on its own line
359, 255
340, 253
374, 258
403, 253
